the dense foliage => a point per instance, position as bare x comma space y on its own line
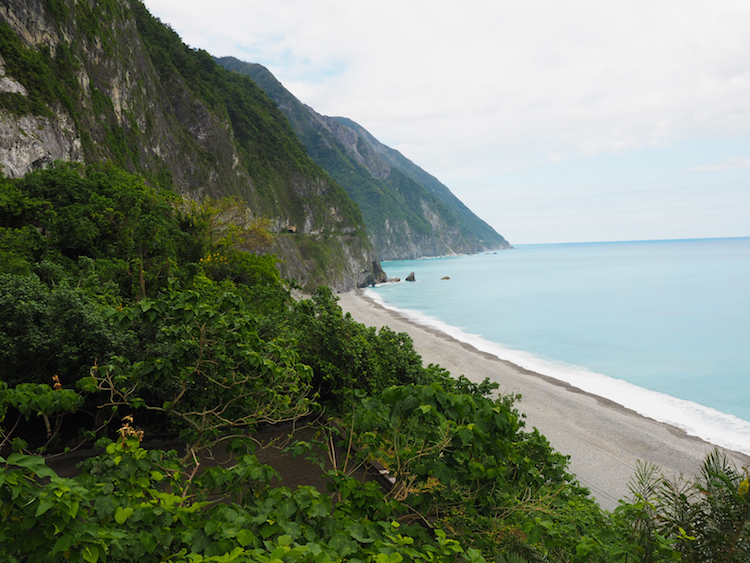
128, 314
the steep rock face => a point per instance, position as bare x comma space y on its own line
486, 237
408, 212
427, 228
94, 80
309, 259
31, 142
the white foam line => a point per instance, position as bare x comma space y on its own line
715, 427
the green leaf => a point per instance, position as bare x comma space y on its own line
90, 553
73, 509
32, 463
341, 543
466, 435
245, 537
137, 402
63, 544
149, 542
535, 535
267, 530
288, 508
122, 514
43, 507
210, 527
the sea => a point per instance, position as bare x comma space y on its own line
660, 327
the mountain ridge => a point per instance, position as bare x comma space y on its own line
423, 218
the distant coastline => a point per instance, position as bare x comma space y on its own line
734, 435
611, 318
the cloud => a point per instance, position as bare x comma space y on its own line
728, 164
584, 75
476, 91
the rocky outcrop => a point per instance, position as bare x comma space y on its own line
411, 277
349, 254
31, 142
105, 81
8, 85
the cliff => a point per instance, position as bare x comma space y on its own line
408, 212
96, 80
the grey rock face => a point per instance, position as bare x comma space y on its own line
28, 143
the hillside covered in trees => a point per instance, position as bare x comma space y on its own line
103, 80
408, 212
128, 313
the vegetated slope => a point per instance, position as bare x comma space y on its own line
408, 212
105, 81
199, 338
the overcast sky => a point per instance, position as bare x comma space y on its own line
583, 120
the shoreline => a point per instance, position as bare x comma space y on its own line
603, 438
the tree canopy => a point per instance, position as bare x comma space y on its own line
128, 314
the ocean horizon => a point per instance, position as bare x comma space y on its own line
660, 327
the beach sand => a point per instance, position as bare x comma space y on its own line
603, 439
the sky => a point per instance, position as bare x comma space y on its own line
575, 121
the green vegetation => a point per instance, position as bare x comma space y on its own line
128, 314
95, 21
48, 79
58, 10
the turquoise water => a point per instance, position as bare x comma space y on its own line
662, 327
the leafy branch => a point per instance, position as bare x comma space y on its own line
216, 376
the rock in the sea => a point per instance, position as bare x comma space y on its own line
445, 278
411, 277
393, 280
